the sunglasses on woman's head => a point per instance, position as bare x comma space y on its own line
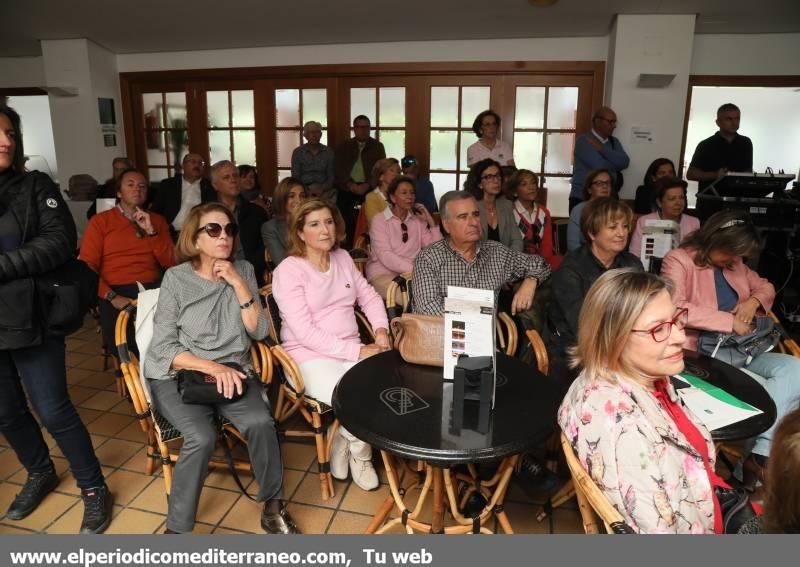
214, 229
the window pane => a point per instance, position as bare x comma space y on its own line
219, 145
287, 107
242, 103
559, 153
468, 138
283, 174
442, 183
558, 196
562, 107
362, 101
176, 110
315, 106
443, 149
151, 104
157, 174
393, 106
394, 141
156, 147
244, 146
474, 100
178, 144
217, 103
287, 141
528, 150
529, 108
444, 107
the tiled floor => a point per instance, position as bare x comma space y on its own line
140, 501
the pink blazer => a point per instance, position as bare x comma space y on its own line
695, 290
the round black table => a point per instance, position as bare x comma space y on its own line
740, 385
407, 410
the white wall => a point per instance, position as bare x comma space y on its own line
657, 45
534, 49
37, 128
741, 54
18, 72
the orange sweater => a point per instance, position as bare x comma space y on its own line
111, 249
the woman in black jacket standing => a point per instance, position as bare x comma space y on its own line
37, 236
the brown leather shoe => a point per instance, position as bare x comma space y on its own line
278, 523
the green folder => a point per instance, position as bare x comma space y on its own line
716, 392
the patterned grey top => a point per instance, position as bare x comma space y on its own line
201, 317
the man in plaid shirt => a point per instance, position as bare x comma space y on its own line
461, 259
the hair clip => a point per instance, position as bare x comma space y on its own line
732, 222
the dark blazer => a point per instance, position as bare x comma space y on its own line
570, 284
346, 155
167, 200
250, 218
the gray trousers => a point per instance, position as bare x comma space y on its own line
251, 416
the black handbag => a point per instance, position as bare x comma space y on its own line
196, 387
66, 295
736, 508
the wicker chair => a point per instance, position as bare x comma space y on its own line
400, 287
158, 431
292, 397
591, 499
361, 251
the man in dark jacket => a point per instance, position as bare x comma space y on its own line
354, 160
177, 195
225, 180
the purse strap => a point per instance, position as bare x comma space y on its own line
229, 456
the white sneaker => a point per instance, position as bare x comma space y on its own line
364, 474
340, 453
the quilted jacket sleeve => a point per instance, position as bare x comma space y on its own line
50, 235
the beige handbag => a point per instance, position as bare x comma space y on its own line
419, 338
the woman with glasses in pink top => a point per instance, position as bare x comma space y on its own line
398, 234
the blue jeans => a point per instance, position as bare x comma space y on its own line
42, 370
780, 376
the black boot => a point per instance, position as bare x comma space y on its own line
36, 488
98, 503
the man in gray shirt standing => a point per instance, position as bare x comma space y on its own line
312, 163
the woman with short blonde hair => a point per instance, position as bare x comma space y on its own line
649, 455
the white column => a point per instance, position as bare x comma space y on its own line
655, 45
77, 72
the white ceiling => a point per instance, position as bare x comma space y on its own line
133, 26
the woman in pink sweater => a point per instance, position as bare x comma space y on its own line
315, 288
398, 234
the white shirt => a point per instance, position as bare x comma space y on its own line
190, 198
599, 137
501, 153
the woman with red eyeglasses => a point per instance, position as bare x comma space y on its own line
207, 317
398, 234
650, 456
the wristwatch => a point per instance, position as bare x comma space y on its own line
111, 295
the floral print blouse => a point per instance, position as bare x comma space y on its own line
636, 455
